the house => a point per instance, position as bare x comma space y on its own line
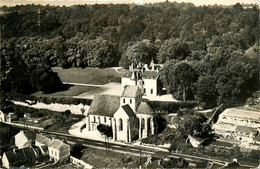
41, 140
24, 139
145, 77
129, 117
239, 125
233, 164
196, 141
19, 157
58, 150
2, 116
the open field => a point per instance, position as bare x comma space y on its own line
74, 90
99, 159
88, 75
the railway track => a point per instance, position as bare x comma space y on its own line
128, 148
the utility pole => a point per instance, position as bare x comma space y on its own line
140, 151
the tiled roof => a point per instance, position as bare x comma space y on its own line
150, 74
144, 108
133, 75
29, 153
20, 154
130, 91
42, 139
104, 105
30, 135
55, 143
11, 156
247, 130
240, 113
128, 110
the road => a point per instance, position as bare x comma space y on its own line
129, 148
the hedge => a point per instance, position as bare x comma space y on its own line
171, 107
48, 100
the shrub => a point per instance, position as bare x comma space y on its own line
171, 107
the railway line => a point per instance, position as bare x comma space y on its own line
127, 148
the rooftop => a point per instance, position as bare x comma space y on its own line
239, 113
128, 110
55, 143
42, 139
144, 108
245, 129
130, 91
104, 105
150, 74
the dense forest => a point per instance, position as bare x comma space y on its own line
210, 52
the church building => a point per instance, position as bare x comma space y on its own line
129, 117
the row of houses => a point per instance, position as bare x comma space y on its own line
242, 127
31, 146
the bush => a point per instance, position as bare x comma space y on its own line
48, 100
171, 107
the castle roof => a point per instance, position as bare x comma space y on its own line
144, 108
130, 91
128, 110
104, 105
150, 74
136, 74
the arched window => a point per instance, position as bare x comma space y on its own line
98, 120
120, 124
94, 119
105, 120
123, 100
151, 91
130, 101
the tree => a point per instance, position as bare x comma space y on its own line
173, 49
206, 92
140, 51
194, 125
106, 130
67, 113
178, 79
76, 150
44, 79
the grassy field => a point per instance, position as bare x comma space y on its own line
71, 91
99, 159
88, 75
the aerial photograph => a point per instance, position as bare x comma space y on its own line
139, 84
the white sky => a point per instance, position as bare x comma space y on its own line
73, 2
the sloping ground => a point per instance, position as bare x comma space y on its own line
88, 75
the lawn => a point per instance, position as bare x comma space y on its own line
72, 90
99, 159
88, 75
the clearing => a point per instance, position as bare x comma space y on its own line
89, 75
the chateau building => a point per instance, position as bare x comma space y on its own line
145, 77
